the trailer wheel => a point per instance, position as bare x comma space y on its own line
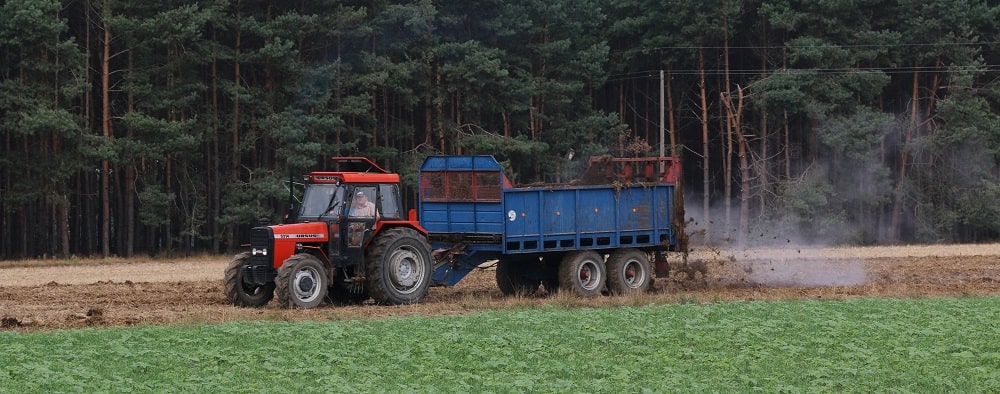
551, 278
241, 293
628, 271
582, 273
399, 267
511, 278
302, 281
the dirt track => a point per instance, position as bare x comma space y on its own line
190, 292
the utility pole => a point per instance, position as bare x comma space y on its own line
662, 126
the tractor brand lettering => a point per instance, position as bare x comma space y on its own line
288, 236
325, 178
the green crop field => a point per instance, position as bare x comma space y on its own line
863, 345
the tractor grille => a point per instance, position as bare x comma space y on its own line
261, 246
261, 268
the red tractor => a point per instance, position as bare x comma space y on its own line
350, 240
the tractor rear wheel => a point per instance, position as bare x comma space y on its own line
628, 271
302, 281
582, 273
241, 293
512, 278
399, 267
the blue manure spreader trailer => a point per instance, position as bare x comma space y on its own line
607, 232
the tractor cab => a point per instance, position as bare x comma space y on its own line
352, 203
352, 211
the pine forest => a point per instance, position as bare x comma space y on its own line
172, 127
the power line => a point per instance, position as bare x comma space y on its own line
788, 71
790, 46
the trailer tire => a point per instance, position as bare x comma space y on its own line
582, 273
550, 281
399, 267
628, 272
243, 294
302, 281
511, 278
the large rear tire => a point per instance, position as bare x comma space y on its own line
244, 294
302, 281
582, 273
512, 278
628, 271
399, 267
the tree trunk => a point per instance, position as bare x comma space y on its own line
897, 205
670, 118
83, 213
168, 238
506, 123
106, 129
428, 119
726, 126
788, 148
129, 177
61, 202
621, 102
731, 124
234, 165
744, 171
762, 165
931, 102
458, 121
6, 242
375, 116
439, 111
214, 179
63, 220
704, 146
734, 116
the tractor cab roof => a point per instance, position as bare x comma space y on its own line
350, 177
354, 170
357, 164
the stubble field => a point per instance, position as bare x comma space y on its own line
44, 295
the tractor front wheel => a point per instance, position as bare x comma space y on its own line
241, 293
399, 267
302, 281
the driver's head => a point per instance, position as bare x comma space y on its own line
360, 198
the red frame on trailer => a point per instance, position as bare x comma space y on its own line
630, 168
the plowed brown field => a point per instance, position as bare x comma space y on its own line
76, 295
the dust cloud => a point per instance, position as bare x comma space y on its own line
804, 272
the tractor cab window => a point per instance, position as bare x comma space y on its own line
389, 202
319, 199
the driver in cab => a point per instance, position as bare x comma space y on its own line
361, 207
